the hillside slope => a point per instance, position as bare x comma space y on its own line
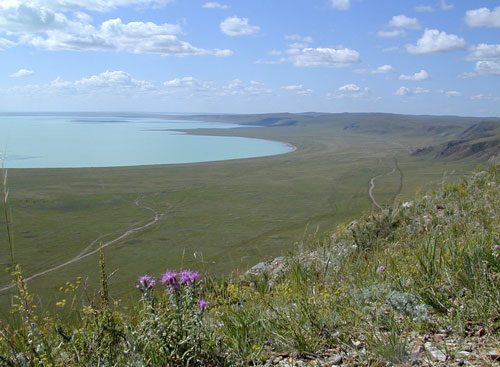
413, 284
365, 123
481, 140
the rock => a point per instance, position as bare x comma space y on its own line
480, 332
357, 344
494, 354
436, 354
463, 354
333, 361
257, 269
468, 347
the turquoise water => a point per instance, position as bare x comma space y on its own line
43, 141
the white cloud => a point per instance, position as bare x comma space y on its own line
322, 57
299, 89
349, 88
190, 84
214, 5
483, 97
483, 17
97, 5
445, 6
115, 81
17, 17
5, 43
22, 73
484, 51
38, 24
420, 90
236, 87
435, 41
451, 93
487, 67
297, 41
402, 21
114, 35
483, 68
391, 34
424, 9
403, 91
235, 26
300, 53
384, 69
349, 91
340, 4
421, 75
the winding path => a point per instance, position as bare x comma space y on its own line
372, 183
86, 253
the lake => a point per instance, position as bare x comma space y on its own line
88, 140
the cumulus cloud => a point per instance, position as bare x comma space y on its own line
114, 35
300, 53
97, 5
235, 26
214, 5
420, 90
340, 4
484, 51
451, 93
119, 82
483, 17
237, 87
22, 73
402, 21
421, 75
403, 91
322, 57
391, 34
114, 81
5, 43
299, 89
384, 69
435, 41
190, 85
487, 67
349, 91
298, 41
38, 24
17, 17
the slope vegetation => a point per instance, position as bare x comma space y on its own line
415, 283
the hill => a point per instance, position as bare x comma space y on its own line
481, 141
367, 123
413, 284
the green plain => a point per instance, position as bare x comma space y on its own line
219, 217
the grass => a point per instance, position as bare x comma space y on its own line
219, 216
371, 291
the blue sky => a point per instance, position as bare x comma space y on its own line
251, 56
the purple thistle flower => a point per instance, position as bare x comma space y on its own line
188, 277
170, 279
146, 282
203, 304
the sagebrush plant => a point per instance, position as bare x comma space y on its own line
366, 289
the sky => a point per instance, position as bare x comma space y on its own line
251, 56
